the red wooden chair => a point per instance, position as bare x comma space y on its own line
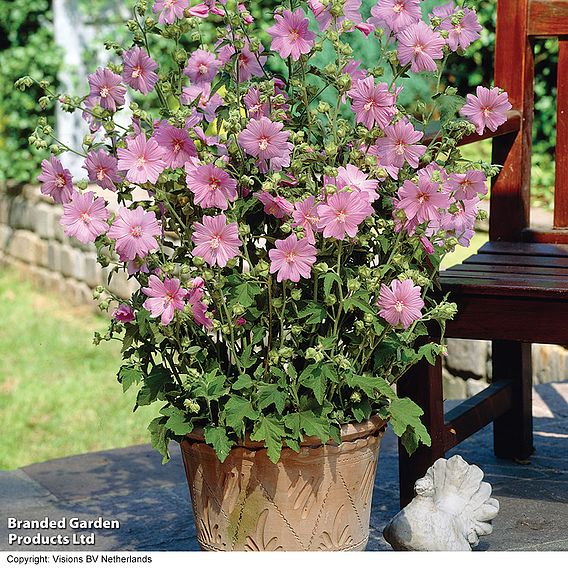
514, 291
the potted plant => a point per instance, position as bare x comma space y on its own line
285, 217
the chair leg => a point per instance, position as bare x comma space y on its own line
513, 431
423, 384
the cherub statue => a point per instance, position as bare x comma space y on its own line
452, 509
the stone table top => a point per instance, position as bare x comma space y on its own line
151, 500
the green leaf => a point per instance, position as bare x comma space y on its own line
245, 294
328, 281
314, 425
243, 382
215, 386
217, 437
271, 431
246, 359
406, 424
430, 351
371, 386
235, 412
357, 303
314, 378
449, 106
129, 375
154, 386
271, 394
314, 312
159, 437
142, 319
362, 410
177, 421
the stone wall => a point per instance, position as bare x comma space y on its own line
33, 243
467, 367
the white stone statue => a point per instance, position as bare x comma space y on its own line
453, 507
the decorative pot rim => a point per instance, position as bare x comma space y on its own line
349, 433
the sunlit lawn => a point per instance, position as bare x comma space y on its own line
58, 392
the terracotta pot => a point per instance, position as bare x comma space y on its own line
319, 499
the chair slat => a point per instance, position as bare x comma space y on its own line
544, 271
524, 249
561, 182
517, 260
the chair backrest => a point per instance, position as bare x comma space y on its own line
519, 23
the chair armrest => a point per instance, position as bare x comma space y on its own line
513, 124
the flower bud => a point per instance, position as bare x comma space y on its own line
330, 300
191, 405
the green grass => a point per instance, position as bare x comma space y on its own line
58, 392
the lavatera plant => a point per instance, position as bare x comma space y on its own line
284, 215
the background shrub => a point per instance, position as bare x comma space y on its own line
27, 47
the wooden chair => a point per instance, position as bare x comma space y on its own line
514, 291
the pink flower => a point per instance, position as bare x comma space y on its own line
89, 104
290, 34
401, 303
211, 186
421, 202
217, 242
175, 143
427, 245
324, 18
444, 10
139, 70
255, 108
277, 206
419, 45
164, 298
207, 103
383, 161
199, 11
135, 233
488, 109
397, 14
102, 168
197, 307
352, 177
124, 314
466, 186
85, 217
202, 67
343, 213
142, 159
399, 144
107, 88
306, 216
464, 33
265, 139
249, 64
464, 217
372, 104
170, 10
56, 181
366, 28
292, 258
